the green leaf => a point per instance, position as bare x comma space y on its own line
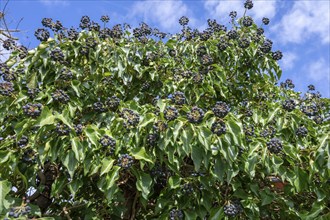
143, 184
75, 86
148, 118
177, 129
106, 166
70, 162
197, 155
5, 187
77, 148
266, 197
174, 182
91, 134
46, 117
140, 154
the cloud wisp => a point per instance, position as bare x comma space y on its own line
305, 19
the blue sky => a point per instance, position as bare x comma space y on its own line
300, 29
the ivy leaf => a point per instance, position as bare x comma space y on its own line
5, 187
140, 154
106, 166
143, 184
70, 162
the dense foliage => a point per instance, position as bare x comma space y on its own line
100, 123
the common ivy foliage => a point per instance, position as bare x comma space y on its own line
122, 123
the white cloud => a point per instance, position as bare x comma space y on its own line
305, 19
221, 9
319, 71
165, 13
55, 2
289, 60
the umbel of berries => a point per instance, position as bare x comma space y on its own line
152, 139
132, 118
178, 98
42, 34
302, 131
196, 115
218, 127
232, 208
160, 126
113, 102
32, 110
289, 105
62, 129
274, 145
277, 55
6, 88
170, 113
176, 214
108, 142
23, 141
125, 161
61, 96
248, 4
220, 109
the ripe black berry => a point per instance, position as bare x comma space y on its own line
274, 145
62, 129
265, 21
125, 161
277, 55
42, 34
196, 115
6, 88
23, 141
218, 127
266, 47
32, 110
220, 109
178, 98
61, 96
318, 119
289, 105
176, 214
183, 20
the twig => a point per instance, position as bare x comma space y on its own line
134, 206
